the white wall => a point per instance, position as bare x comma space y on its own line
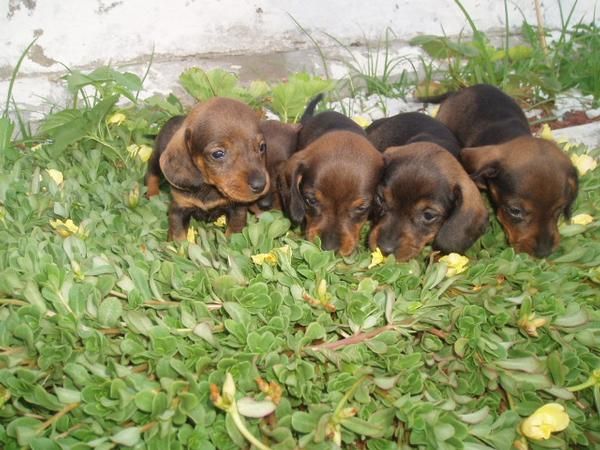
88, 33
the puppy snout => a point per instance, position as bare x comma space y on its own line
265, 203
386, 245
543, 247
257, 182
330, 241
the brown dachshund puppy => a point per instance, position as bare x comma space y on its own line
315, 126
330, 185
406, 128
282, 140
425, 196
214, 160
530, 180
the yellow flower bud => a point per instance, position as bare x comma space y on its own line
264, 258
546, 133
56, 176
584, 163
191, 235
582, 219
455, 262
376, 258
546, 420
144, 153
362, 121
116, 119
221, 221
65, 228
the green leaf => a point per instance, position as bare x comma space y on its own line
109, 311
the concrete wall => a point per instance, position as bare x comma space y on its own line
258, 39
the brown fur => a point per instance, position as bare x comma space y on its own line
530, 180
425, 196
281, 139
214, 160
330, 186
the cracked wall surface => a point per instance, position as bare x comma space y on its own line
259, 39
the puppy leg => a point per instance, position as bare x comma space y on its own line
153, 175
236, 219
179, 222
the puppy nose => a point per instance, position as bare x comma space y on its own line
386, 246
257, 182
330, 241
265, 202
543, 248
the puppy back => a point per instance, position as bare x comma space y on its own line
483, 115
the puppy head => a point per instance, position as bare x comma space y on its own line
425, 196
281, 139
330, 186
220, 144
531, 182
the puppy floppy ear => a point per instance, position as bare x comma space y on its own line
468, 219
289, 189
572, 189
177, 165
481, 163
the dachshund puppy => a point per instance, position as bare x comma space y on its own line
214, 160
425, 196
530, 180
282, 140
406, 128
330, 185
315, 126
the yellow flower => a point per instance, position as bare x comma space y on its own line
262, 258
566, 145
544, 421
191, 235
221, 221
143, 152
362, 121
546, 133
584, 163
376, 258
456, 263
582, 219
530, 324
56, 175
65, 228
116, 119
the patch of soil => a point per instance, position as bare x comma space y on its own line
569, 119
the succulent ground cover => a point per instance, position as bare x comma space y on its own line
111, 337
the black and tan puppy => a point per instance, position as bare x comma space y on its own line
282, 141
406, 128
316, 125
531, 182
214, 160
425, 196
330, 186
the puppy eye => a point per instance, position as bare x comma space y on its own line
311, 202
262, 148
218, 154
361, 209
514, 212
429, 216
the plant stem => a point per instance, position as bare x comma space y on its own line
540, 26
356, 339
67, 409
241, 426
347, 395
